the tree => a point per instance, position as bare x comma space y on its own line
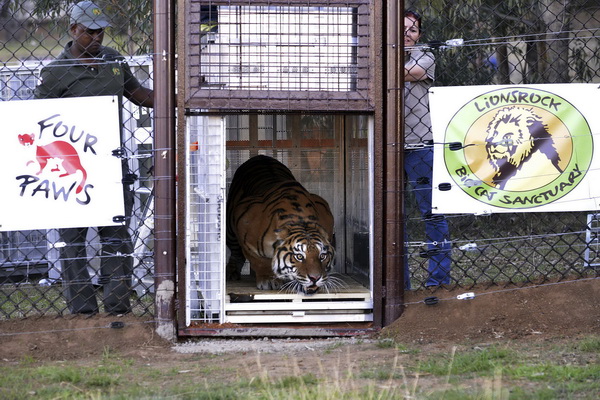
131, 20
555, 58
514, 41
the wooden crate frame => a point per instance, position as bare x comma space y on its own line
245, 304
200, 95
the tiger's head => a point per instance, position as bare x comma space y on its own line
303, 260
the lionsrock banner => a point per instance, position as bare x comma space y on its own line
60, 163
516, 148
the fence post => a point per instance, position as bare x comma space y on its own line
164, 166
393, 197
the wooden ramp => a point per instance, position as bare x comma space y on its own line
246, 304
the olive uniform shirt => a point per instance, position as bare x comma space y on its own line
67, 77
416, 98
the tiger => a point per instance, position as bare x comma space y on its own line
285, 232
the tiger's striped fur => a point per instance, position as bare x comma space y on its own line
283, 230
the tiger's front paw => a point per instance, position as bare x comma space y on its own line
233, 270
232, 273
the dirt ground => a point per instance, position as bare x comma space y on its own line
549, 312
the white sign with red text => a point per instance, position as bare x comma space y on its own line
58, 164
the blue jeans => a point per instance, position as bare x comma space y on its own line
418, 166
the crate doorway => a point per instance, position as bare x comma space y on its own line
329, 155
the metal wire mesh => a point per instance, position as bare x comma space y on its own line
518, 42
298, 55
205, 249
37, 275
308, 145
514, 43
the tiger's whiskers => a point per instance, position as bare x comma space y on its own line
334, 283
292, 286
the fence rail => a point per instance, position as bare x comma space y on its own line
33, 265
474, 43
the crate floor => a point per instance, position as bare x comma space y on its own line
244, 303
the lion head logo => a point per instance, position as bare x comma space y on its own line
514, 136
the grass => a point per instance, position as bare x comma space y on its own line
483, 362
590, 345
46, 45
498, 372
29, 300
24, 300
502, 370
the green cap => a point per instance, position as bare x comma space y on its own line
89, 15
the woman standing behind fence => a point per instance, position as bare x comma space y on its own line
419, 73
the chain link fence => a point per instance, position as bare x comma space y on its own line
473, 43
506, 43
54, 271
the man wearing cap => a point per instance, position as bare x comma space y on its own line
86, 68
